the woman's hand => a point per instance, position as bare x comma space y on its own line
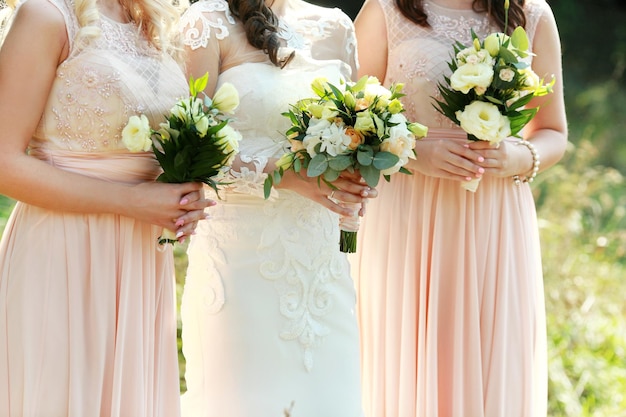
505, 160
177, 207
348, 189
450, 159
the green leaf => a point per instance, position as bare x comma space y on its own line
331, 175
340, 162
317, 166
384, 160
519, 39
370, 174
365, 155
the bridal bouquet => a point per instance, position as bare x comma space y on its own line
489, 87
195, 144
354, 127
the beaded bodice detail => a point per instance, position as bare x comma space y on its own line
99, 86
418, 56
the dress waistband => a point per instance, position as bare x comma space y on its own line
121, 167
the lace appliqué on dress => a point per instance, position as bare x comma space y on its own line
199, 38
249, 181
203, 280
303, 267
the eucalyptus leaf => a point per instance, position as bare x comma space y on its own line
317, 165
384, 160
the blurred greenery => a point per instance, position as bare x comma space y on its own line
581, 206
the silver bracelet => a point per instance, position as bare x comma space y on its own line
518, 179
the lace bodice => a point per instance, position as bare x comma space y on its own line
98, 87
418, 56
324, 44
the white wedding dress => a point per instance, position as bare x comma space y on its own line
268, 306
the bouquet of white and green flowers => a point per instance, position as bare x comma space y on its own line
354, 127
490, 86
195, 144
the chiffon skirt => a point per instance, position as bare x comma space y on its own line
450, 300
87, 309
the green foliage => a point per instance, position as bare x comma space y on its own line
582, 213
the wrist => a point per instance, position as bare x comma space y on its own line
528, 176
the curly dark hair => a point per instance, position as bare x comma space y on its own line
260, 24
414, 11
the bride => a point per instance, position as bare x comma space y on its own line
268, 305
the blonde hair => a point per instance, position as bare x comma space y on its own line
157, 19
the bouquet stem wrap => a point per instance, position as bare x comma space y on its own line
349, 226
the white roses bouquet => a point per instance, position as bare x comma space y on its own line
489, 87
195, 144
359, 127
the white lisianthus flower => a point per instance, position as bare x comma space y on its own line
364, 122
196, 108
136, 135
395, 106
179, 111
319, 86
226, 98
202, 125
494, 41
230, 138
286, 161
484, 120
471, 76
375, 90
418, 129
531, 79
165, 131
329, 110
400, 142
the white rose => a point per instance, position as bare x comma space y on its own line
484, 120
226, 98
506, 75
136, 135
400, 142
470, 76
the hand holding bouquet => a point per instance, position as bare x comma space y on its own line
489, 87
195, 144
355, 127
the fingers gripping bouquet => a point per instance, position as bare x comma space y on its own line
490, 86
356, 127
195, 144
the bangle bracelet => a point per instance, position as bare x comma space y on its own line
518, 179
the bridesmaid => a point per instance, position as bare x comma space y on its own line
450, 292
87, 301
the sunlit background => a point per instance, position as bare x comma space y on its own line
582, 212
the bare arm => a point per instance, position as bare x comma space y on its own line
371, 35
35, 45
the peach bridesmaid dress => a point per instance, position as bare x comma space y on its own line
449, 282
87, 301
